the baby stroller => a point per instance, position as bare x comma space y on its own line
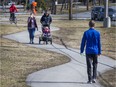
46, 35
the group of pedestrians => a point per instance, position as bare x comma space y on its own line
45, 20
32, 24
90, 41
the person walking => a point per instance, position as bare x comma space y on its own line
32, 25
91, 39
46, 19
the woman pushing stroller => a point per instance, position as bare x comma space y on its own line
46, 19
46, 35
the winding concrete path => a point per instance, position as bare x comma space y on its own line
72, 74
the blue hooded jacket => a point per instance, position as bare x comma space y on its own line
91, 39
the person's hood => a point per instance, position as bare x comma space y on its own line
12, 5
45, 14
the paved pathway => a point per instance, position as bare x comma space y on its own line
82, 16
72, 74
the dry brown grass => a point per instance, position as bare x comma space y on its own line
17, 55
9, 29
108, 79
75, 9
71, 32
18, 60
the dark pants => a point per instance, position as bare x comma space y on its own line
31, 34
91, 59
12, 16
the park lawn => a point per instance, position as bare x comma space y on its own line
17, 61
75, 9
71, 33
9, 29
108, 79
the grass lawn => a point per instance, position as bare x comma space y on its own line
108, 79
71, 33
18, 60
15, 54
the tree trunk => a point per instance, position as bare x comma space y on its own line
99, 2
87, 4
4, 5
26, 5
54, 6
63, 1
70, 9
53, 9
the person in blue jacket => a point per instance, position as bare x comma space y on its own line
91, 39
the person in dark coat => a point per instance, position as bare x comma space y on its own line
46, 19
91, 39
32, 25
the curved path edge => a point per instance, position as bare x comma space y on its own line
72, 74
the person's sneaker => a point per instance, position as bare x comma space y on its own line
94, 81
89, 82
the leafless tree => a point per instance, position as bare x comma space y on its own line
64, 5
70, 9
53, 7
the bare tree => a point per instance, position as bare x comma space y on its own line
26, 3
53, 8
70, 9
64, 5
63, 1
3, 5
87, 4
99, 2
